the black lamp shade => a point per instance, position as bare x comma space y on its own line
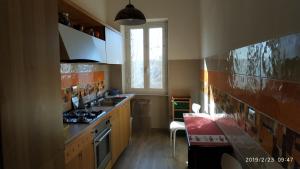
130, 16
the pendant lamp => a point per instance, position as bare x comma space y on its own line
130, 16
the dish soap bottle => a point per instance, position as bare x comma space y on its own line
80, 102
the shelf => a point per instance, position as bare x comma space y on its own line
180, 105
182, 101
77, 15
182, 110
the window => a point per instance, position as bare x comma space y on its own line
146, 57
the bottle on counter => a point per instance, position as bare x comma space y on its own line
80, 102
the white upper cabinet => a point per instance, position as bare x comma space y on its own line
114, 47
81, 46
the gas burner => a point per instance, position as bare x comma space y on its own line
81, 116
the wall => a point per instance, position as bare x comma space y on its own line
90, 78
266, 81
30, 106
95, 7
181, 79
183, 23
232, 24
115, 74
265, 77
149, 112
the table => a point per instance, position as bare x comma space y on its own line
206, 142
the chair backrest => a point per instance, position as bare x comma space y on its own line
229, 162
196, 107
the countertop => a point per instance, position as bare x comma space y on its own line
72, 131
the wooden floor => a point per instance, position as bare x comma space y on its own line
152, 150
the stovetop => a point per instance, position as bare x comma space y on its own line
81, 116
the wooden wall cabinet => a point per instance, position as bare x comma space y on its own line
114, 46
31, 106
80, 45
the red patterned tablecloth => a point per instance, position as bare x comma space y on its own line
203, 131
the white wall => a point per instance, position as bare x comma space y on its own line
95, 7
232, 24
183, 23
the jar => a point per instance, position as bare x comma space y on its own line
64, 18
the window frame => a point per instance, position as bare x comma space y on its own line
146, 90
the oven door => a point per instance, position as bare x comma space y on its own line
102, 149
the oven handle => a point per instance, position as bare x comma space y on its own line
99, 140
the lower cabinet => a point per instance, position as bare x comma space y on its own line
79, 154
120, 120
88, 157
115, 135
125, 124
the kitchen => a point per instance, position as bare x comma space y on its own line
239, 60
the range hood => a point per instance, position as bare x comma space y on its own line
77, 46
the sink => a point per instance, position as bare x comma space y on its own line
113, 101
110, 102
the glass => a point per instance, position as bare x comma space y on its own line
156, 58
137, 58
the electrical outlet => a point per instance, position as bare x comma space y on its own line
251, 115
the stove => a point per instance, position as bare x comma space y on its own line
81, 116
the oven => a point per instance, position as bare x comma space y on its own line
102, 145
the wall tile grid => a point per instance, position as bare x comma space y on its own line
87, 77
265, 77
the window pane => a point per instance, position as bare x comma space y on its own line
137, 58
156, 58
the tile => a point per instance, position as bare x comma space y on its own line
66, 80
290, 148
266, 139
74, 77
281, 58
84, 68
289, 105
272, 60
66, 68
85, 76
98, 76
246, 60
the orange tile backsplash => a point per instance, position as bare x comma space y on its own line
265, 77
87, 77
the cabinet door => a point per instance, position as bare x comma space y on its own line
80, 153
114, 47
80, 45
115, 135
125, 124
88, 157
127, 121
75, 163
